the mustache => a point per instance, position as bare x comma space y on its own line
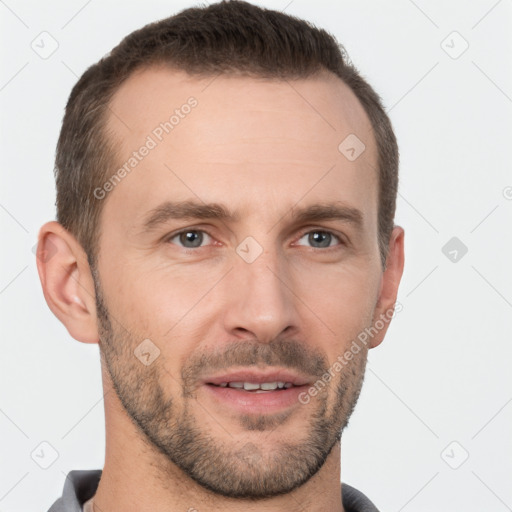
289, 354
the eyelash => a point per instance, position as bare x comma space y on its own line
302, 234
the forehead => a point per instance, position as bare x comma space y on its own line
218, 138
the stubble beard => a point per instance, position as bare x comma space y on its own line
231, 468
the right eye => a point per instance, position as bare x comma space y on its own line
190, 238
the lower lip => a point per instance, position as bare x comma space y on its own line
251, 402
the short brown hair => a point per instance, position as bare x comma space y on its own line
229, 37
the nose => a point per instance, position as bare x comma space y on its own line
260, 301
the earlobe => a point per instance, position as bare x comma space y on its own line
67, 282
389, 286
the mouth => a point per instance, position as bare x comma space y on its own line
256, 392
254, 387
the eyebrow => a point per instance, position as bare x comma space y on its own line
329, 211
170, 210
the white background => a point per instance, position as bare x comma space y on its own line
443, 372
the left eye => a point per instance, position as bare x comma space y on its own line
320, 239
190, 239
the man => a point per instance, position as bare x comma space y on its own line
226, 187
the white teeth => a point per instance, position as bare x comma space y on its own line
252, 386
249, 386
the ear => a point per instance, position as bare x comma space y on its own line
67, 281
389, 286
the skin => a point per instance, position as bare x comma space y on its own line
263, 149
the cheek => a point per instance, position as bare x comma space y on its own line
342, 298
159, 301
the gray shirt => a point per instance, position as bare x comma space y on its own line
80, 486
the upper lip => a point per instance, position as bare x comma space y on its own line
259, 376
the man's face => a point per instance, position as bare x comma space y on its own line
264, 292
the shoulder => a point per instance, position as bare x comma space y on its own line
355, 501
80, 485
